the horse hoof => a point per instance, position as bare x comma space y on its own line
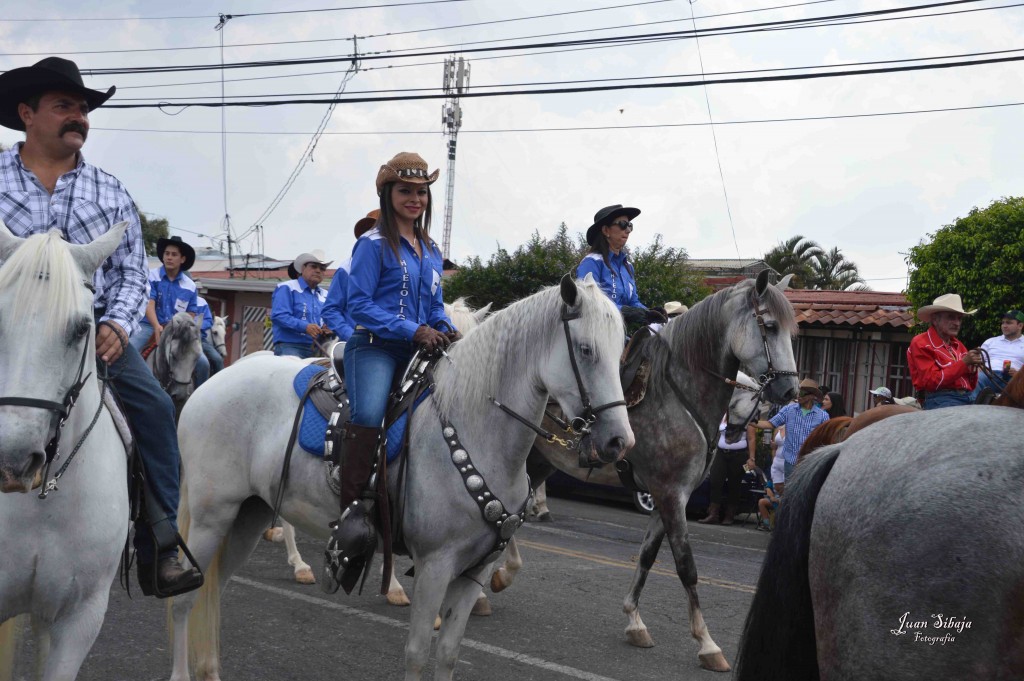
714, 662
305, 576
398, 598
274, 534
545, 517
500, 580
641, 638
482, 607
437, 623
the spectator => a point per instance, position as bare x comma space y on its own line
1005, 353
728, 469
879, 396
673, 309
800, 419
833, 405
941, 367
768, 505
778, 470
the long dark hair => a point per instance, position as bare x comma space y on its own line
838, 406
600, 246
388, 226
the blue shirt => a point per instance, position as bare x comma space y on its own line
392, 297
293, 307
798, 427
86, 203
617, 281
172, 295
336, 309
204, 309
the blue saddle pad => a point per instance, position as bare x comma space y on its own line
313, 426
396, 431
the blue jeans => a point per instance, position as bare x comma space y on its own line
213, 357
370, 366
150, 413
947, 398
300, 350
985, 382
140, 339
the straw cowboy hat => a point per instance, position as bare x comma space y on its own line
364, 225
185, 248
811, 386
674, 308
949, 302
303, 259
52, 73
604, 217
405, 167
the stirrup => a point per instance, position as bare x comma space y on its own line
350, 549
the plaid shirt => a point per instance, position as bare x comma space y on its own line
85, 204
798, 427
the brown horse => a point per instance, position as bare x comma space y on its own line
1013, 396
838, 429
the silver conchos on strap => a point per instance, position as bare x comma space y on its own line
495, 513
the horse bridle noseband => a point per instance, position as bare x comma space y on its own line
578, 427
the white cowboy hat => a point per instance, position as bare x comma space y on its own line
674, 308
303, 259
950, 302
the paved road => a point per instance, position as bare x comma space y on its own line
562, 619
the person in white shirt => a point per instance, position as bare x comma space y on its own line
1005, 352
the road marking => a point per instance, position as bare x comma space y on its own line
505, 653
612, 562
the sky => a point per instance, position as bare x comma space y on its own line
873, 186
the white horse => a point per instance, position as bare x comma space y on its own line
60, 553
219, 335
519, 356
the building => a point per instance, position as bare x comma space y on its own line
722, 272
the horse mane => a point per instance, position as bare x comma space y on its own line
688, 334
181, 328
828, 433
1013, 396
480, 372
462, 315
43, 279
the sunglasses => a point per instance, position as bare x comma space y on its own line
623, 225
315, 266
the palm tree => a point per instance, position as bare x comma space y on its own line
795, 256
833, 272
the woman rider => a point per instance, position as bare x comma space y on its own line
394, 299
608, 261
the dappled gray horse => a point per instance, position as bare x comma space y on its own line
174, 358
898, 555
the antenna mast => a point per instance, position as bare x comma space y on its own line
456, 81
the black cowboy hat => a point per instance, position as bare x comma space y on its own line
605, 216
186, 250
52, 73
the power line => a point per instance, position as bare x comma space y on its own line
592, 88
652, 126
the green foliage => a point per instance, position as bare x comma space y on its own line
812, 266
831, 271
662, 273
980, 257
152, 230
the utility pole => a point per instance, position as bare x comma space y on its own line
456, 81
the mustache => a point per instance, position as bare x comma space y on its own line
74, 126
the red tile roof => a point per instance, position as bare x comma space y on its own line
851, 308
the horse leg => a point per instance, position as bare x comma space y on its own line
303, 573
506, 574
72, 636
674, 518
540, 504
429, 588
458, 604
396, 594
636, 630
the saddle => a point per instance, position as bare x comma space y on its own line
635, 367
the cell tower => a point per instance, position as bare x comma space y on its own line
456, 81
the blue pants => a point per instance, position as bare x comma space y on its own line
213, 357
947, 398
370, 366
300, 350
150, 413
140, 339
985, 382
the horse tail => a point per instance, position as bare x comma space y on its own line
778, 640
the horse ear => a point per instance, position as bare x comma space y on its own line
90, 256
784, 282
8, 242
761, 285
482, 313
569, 290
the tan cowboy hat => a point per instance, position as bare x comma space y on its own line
303, 259
950, 302
405, 167
52, 73
809, 384
674, 308
364, 225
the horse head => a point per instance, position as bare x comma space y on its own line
47, 333
219, 335
582, 368
464, 317
178, 352
761, 329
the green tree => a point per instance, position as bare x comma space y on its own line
980, 257
153, 228
662, 272
795, 256
833, 272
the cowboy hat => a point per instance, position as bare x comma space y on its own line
303, 259
52, 73
605, 216
405, 167
809, 385
949, 302
185, 249
674, 308
363, 225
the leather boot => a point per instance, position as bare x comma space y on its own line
729, 515
171, 578
359, 451
712, 517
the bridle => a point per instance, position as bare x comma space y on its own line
63, 410
579, 427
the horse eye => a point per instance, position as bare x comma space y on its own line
586, 351
771, 326
81, 329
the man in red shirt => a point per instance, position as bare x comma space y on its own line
941, 367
